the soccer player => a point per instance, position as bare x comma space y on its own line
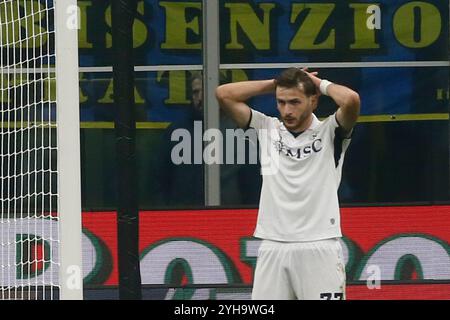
300, 256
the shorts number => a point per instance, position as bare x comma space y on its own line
332, 296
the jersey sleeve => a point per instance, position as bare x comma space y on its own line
258, 120
338, 138
336, 128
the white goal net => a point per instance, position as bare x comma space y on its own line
31, 217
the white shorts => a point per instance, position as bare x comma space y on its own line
299, 270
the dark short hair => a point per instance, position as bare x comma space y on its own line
292, 77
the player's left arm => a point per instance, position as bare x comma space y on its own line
349, 105
347, 100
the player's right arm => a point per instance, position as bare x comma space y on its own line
232, 98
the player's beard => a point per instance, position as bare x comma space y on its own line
294, 123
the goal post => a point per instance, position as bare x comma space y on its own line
68, 133
40, 192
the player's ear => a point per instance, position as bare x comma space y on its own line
314, 101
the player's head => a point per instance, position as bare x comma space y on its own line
197, 91
296, 98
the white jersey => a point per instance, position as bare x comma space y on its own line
301, 177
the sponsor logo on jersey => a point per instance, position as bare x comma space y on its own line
298, 153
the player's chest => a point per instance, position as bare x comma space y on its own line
309, 145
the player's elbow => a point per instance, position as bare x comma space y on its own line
353, 102
223, 96
221, 93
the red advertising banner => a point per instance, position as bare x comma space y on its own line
207, 247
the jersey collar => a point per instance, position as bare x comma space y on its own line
315, 122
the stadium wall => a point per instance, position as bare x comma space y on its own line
390, 252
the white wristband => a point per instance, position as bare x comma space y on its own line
324, 86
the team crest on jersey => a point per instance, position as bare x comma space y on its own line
279, 145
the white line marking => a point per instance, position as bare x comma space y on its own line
195, 67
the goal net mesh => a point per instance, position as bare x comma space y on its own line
29, 238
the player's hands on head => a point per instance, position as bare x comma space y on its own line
314, 77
